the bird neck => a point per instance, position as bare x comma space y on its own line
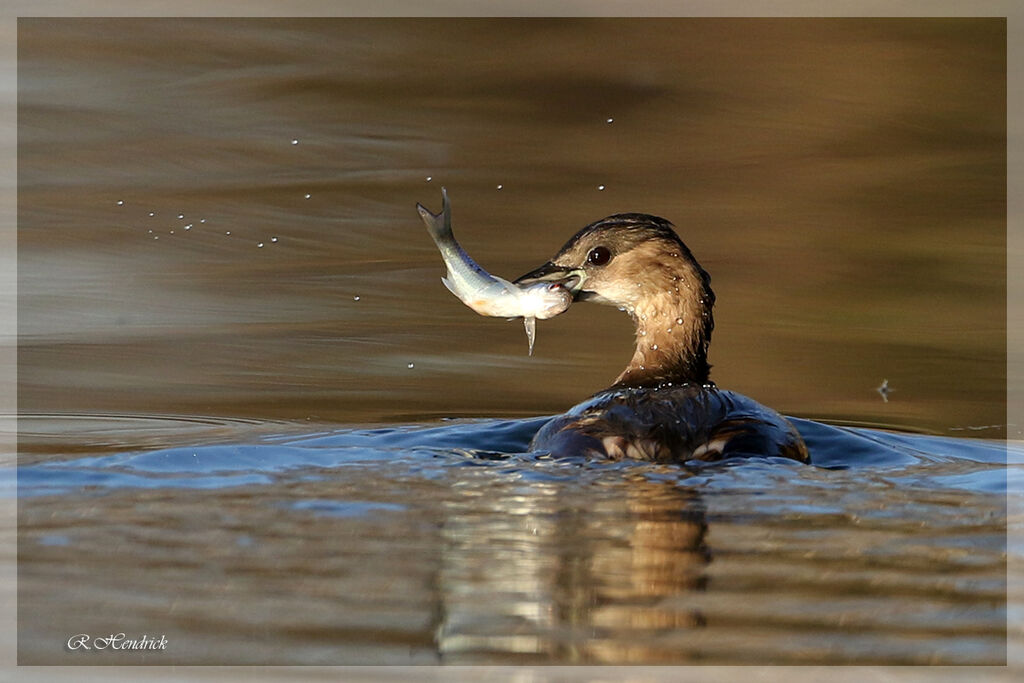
673, 332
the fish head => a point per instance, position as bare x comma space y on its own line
544, 300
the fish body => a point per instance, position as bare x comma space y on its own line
488, 294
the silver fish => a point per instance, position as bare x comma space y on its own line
485, 293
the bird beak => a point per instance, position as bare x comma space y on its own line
570, 278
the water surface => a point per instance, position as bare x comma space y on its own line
452, 544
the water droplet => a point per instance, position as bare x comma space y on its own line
171, 231
610, 119
654, 347
260, 245
180, 216
669, 330
643, 333
679, 321
150, 232
600, 187
228, 232
308, 195
499, 186
151, 214
120, 202
295, 141
429, 178
188, 227
642, 367
411, 365
355, 298
273, 239
156, 237
202, 220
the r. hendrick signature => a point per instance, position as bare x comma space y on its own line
116, 641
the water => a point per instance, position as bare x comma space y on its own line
308, 452
453, 544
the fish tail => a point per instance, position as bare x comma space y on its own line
439, 225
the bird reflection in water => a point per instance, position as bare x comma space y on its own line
555, 574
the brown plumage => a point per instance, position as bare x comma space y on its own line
663, 406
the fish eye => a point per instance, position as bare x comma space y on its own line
599, 256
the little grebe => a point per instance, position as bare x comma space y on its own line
662, 407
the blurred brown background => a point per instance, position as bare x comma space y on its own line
843, 180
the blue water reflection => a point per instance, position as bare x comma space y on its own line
904, 459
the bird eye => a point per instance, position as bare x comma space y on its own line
599, 256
